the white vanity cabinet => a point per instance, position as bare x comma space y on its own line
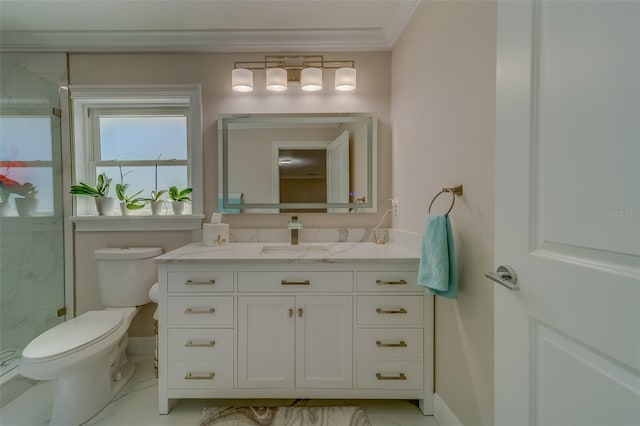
295, 342
250, 327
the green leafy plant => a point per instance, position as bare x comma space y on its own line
132, 202
31, 193
155, 194
177, 195
100, 190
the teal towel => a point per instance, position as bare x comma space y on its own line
437, 270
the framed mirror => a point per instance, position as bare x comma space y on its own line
296, 163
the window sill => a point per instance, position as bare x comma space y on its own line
138, 223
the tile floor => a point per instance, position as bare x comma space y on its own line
137, 403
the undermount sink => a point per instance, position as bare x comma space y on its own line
294, 249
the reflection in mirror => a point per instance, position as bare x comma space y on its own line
272, 163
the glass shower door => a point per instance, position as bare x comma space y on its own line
31, 210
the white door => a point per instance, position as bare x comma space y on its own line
338, 171
266, 333
324, 342
567, 343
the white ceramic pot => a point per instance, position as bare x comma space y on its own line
178, 207
156, 207
26, 206
105, 205
4, 209
123, 209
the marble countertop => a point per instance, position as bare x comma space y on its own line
285, 252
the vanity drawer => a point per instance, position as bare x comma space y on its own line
390, 374
303, 281
388, 281
206, 281
390, 310
389, 342
200, 311
200, 343
191, 374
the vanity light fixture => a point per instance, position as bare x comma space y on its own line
307, 70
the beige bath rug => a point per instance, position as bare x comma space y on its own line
284, 416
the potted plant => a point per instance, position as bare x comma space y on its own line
4, 201
28, 203
127, 202
156, 196
104, 204
179, 198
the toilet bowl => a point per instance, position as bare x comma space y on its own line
86, 356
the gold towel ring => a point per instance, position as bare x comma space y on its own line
455, 190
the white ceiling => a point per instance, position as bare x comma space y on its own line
202, 25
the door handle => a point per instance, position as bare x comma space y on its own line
504, 275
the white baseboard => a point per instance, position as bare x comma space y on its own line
141, 345
443, 414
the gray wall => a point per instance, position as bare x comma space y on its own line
443, 103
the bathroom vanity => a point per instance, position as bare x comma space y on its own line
271, 320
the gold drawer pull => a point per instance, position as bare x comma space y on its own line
400, 282
391, 311
199, 311
401, 344
190, 376
192, 282
285, 282
190, 344
400, 376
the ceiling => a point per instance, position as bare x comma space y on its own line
202, 25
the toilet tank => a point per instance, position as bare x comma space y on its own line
126, 274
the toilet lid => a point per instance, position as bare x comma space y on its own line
73, 334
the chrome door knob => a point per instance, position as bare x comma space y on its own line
506, 276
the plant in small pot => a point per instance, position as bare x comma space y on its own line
127, 202
156, 196
104, 204
28, 203
4, 201
156, 201
179, 198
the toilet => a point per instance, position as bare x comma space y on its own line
86, 356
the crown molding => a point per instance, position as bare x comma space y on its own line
399, 21
215, 41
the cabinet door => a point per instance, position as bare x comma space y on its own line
324, 342
266, 332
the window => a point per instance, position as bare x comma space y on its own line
26, 156
153, 135
134, 141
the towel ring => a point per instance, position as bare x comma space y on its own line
456, 190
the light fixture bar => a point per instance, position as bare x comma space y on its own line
294, 67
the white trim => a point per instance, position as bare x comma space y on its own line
143, 345
443, 414
233, 41
395, 26
138, 223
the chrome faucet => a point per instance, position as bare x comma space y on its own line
294, 225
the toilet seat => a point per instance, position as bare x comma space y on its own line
73, 335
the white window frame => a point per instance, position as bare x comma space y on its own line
85, 99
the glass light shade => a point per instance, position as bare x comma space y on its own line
311, 79
242, 80
345, 79
276, 79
